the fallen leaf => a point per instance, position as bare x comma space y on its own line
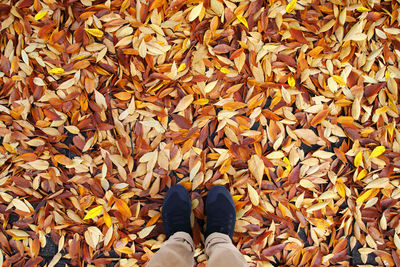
379, 150
95, 32
93, 212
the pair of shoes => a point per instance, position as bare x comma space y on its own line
220, 211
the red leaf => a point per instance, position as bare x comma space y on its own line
273, 250
287, 59
298, 35
373, 89
181, 121
222, 48
33, 262
294, 175
317, 260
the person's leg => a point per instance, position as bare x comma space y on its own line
221, 217
221, 252
178, 250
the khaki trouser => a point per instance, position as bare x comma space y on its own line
178, 251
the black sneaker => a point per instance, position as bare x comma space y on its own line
220, 211
176, 211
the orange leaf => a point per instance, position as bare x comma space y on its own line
153, 219
83, 64
316, 51
123, 96
319, 117
225, 166
345, 120
123, 208
63, 159
107, 219
28, 157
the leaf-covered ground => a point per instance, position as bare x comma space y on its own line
293, 106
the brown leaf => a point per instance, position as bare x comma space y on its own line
272, 250
298, 35
182, 122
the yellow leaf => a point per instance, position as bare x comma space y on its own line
225, 166
95, 32
362, 174
364, 196
390, 129
224, 70
79, 57
9, 147
358, 159
290, 6
254, 197
56, 71
93, 212
340, 187
387, 75
237, 198
195, 12
320, 223
242, 20
201, 101
107, 219
382, 110
40, 15
363, 9
286, 160
379, 150
291, 81
393, 107
282, 209
182, 67
125, 250
338, 79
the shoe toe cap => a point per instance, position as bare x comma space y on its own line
216, 192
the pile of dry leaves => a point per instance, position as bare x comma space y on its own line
292, 105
